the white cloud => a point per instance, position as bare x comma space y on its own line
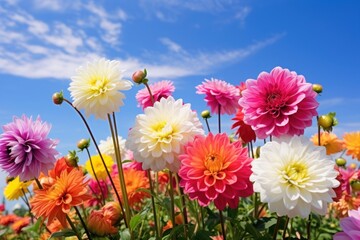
242, 14
171, 45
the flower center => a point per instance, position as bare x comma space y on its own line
274, 103
213, 162
100, 86
295, 173
163, 131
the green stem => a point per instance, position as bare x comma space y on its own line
207, 124
157, 231
83, 223
171, 192
308, 228
222, 222
120, 170
276, 228
285, 228
183, 206
73, 227
219, 118
101, 157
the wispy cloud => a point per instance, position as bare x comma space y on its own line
54, 49
242, 14
172, 46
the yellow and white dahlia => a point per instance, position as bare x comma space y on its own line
107, 147
159, 134
96, 88
294, 177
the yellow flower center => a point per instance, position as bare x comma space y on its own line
163, 131
213, 162
99, 86
295, 173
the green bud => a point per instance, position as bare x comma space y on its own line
205, 114
83, 143
317, 88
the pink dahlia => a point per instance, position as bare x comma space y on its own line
98, 194
278, 103
219, 93
162, 89
350, 226
214, 169
25, 149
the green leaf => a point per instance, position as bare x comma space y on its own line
135, 221
33, 228
125, 234
202, 235
63, 233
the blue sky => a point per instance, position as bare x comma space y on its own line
42, 42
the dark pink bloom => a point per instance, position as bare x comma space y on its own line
162, 89
214, 169
219, 93
347, 176
278, 103
350, 226
97, 193
25, 149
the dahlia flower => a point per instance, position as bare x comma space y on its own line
107, 147
278, 103
219, 93
25, 150
16, 189
98, 165
346, 203
159, 134
98, 192
213, 169
244, 131
352, 144
100, 225
19, 224
70, 189
96, 88
294, 177
330, 141
350, 227
134, 181
162, 89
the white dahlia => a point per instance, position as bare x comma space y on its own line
294, 177
107, 147
96, 88
159, 134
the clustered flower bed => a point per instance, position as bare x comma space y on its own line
175, 178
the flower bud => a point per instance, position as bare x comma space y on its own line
71, 159
58, 98
139, 76
83, 143
327, 121
355, 185
257, 152
340, 161
205, 114
100, 225
112, 211
317, 88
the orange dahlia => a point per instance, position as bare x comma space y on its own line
20, 223
214, 169
134, 180
99, 224
330, 141
352, 144
69, 189
346, 203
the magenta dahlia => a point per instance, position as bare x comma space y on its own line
219, 93
25, 149
278, 103
162, 89
214, 169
